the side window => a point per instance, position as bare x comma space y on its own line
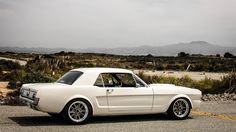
118, 80
99, 81
126, 79
109, 80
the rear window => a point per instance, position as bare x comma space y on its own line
69, 77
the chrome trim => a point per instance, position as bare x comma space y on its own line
27, 100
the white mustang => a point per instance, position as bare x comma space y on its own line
85, 92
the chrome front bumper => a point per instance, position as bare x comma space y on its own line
31, 103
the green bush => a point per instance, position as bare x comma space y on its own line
7, 65
36, 77
226, 84
13, 75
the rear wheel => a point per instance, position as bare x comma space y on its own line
179, 109
77, 111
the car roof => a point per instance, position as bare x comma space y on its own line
103, 70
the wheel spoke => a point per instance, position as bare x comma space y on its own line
75, 116
72, 112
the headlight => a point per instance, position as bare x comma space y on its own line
31, 94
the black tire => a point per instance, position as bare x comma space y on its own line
179, 109
77, 111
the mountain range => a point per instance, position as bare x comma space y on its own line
194, 47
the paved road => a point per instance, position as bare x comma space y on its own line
23, 119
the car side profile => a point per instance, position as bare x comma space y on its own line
85, 92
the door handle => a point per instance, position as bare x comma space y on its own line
110, 90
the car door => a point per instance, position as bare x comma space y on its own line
124, 95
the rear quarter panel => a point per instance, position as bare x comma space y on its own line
54, 99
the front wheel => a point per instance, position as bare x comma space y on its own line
179, 109
77, 111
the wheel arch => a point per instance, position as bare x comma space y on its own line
177, 97
78, 97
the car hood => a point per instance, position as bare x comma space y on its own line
37, 86
162, 85
176, 89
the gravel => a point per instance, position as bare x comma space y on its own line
219, 97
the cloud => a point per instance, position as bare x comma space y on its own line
115, 23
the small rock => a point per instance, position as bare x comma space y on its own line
219, 97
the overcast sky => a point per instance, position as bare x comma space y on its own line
115, 23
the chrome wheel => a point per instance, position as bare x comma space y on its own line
78, 111
181, 108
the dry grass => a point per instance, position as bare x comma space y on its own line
3, 89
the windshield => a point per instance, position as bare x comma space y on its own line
69, 77
139, 81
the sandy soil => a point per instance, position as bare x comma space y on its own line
3, 89
21, 62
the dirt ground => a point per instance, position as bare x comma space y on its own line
179, 74
21, 62
3, 88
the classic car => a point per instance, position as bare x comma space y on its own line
85, 92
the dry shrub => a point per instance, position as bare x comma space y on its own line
225, 84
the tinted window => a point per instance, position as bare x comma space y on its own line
69, 77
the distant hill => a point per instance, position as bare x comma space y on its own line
194, 47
